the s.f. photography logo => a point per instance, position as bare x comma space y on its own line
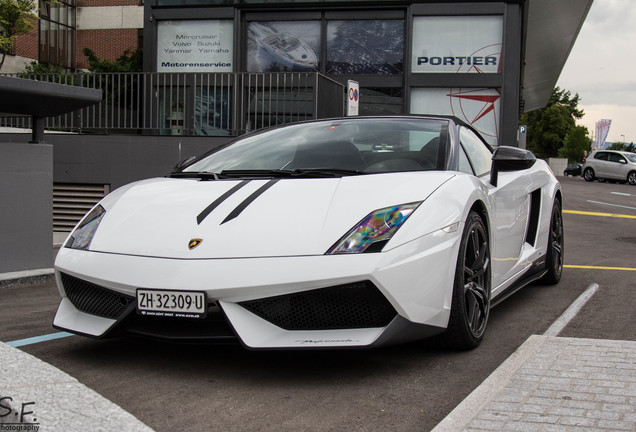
17, 416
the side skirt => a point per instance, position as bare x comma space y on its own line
533, 274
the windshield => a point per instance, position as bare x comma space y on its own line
361, 145
630, 156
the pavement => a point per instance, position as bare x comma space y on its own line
549, 383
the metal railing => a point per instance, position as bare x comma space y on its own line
193, 103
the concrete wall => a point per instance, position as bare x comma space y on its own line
119, 159
26, 206
110, 17
558, 165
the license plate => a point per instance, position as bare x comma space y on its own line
164, 303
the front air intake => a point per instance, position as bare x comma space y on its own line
356, 305
94, 299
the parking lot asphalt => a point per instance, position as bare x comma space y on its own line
579, 377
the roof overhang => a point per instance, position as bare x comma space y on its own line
43, 99
551, 29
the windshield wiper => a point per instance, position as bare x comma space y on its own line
325, 172
203, 175
279, 173
273, 173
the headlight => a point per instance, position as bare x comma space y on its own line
82, 237
374, 231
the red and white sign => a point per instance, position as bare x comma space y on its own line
353, 97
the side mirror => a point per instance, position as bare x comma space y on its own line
510, 159
184, 163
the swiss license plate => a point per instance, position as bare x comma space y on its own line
165, 303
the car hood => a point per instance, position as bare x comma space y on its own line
249, 218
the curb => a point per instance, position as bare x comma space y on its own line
27, 277
472, 405
35, 394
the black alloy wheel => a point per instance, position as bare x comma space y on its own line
556, 243
471, 292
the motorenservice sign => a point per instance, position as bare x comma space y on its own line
195, 46
457, 44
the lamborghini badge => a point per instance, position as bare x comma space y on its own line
194, 243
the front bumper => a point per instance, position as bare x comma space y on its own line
409, 286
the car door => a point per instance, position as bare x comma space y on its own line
601, 164
510, 200
617, 167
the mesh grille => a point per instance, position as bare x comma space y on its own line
95, 300
358, 305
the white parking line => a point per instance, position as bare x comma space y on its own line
567, 316
611, 205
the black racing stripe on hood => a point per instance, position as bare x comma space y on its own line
219, 200
237, 211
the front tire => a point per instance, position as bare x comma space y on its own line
554, 254
471, 289
588, 174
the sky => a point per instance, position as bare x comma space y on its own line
601, 68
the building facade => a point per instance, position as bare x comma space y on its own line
452, 58
66, 27
462, 58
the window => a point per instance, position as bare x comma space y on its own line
615, 157
283, 46
57, 33
195, 46
478, 107
478, 153
601, 156
380, 101
371, 47
457, 44
464, 163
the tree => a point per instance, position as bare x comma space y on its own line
16, 18
622, 147
129, 61
36, 68
617, 146
577, 142
548, 127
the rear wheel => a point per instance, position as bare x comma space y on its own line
588, 174
631, 178
554, 254
471, 290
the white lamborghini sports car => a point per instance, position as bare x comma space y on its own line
356, 232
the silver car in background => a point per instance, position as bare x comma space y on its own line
610, 165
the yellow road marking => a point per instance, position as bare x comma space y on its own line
599, 214
599, 267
